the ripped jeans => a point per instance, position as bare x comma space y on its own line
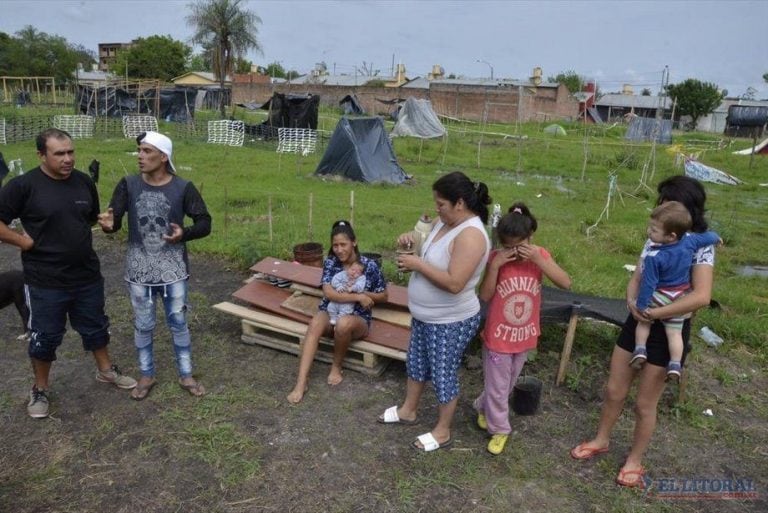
174, 297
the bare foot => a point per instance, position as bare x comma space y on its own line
335, 377
296, 395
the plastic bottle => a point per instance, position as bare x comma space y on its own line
710, 337
496, 215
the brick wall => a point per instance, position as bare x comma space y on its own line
471, 102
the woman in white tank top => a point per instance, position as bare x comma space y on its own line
443, 302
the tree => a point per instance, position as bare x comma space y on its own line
569, 79
85, 56
227, 27
199, 62
275, 70
695, 98
160, 57
765, 77
34, 53
242, 65
645, 92
6, 48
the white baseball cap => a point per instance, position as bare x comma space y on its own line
162, 143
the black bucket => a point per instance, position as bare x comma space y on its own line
526, 395
376, 257
309, 253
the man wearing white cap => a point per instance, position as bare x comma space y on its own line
157, 201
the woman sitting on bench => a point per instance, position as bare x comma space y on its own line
342, 255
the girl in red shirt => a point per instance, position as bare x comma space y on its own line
512, 288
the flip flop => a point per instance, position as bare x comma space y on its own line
141, 391
196, 389
583, 452
390, 416
637, 482
429, 443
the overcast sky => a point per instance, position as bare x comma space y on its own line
616, 42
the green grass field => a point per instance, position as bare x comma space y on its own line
565, 181
242, 448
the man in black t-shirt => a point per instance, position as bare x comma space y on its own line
57, 206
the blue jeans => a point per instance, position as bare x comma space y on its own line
174, 298
49, 309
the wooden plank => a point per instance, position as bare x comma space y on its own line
397, 295
290, 327
267, 297
297, 273
305, 289
365, 363
392, 315
312, 276
301, 303
277, 322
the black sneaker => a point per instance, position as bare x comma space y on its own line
37, 408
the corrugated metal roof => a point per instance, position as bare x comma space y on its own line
417, 83
487, 82
727, 102
92, 75
630, 100
340, 80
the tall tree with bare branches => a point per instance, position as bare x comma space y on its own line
229, 29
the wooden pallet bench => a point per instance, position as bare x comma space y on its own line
278, 317
284, 334
263, 296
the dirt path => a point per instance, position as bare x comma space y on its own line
243, 448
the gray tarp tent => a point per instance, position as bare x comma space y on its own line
351, 105
360, 150
417, 119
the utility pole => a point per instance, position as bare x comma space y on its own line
663, 93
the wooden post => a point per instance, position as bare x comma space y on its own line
352, 208
567, 345
754, 145
309, 225
226, 212
445, 146
269, 218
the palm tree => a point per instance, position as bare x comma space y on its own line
229, 29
